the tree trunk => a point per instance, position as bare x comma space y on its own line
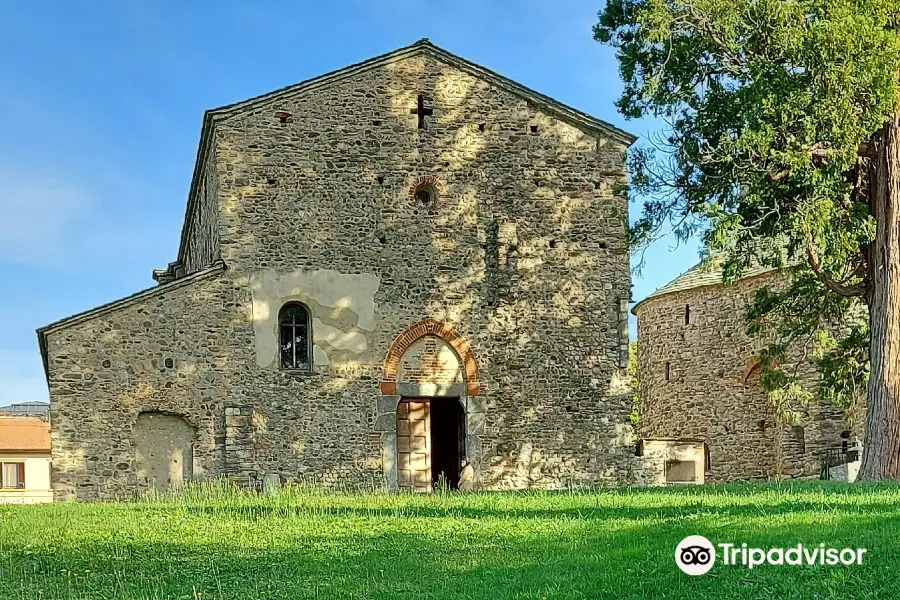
881, 450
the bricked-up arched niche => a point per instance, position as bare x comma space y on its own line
754, 437
751, 369
164, 450
425, 328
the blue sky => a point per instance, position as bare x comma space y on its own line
100, 110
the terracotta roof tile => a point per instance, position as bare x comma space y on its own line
24, 433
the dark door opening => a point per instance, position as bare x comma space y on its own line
448, 440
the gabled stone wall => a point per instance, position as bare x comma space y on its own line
520, 248
167, 353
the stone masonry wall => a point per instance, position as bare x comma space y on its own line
522, 251
202, 242
713, 391
105, 371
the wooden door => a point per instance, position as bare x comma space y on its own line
414, 444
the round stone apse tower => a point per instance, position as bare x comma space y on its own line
699, 387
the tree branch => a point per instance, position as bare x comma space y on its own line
819, 155
841, 289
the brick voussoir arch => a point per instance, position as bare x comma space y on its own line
753, 363
414, 333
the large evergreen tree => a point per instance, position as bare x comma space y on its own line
782, 147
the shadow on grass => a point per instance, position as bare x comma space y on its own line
263, 512
310, 557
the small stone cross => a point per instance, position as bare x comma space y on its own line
421, 111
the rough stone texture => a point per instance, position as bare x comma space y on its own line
106, 370
713, 392
201, 246
521, 255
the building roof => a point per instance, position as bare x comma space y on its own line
704, 274
559, 110
217, 267
25, 409
24, 434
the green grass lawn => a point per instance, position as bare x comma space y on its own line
219, 544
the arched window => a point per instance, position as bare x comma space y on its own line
295, 336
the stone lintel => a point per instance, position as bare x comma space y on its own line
431, 390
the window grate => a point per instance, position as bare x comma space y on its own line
294, 338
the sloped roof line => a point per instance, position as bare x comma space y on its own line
425, 45
213, 270
706, 273
560, 110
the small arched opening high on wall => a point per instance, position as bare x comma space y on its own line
447, 380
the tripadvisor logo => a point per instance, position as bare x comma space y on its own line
696, 555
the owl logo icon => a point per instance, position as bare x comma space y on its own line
695, 555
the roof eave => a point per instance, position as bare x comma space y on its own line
216, 268
663, 293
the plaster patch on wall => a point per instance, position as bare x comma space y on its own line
164, 454
341, 306
354, 341
320, 357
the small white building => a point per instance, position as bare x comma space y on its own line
24, 460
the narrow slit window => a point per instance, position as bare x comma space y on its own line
295, 341
687, 314
668, 371
799, 438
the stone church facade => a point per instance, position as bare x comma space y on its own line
408, 268
700, 392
